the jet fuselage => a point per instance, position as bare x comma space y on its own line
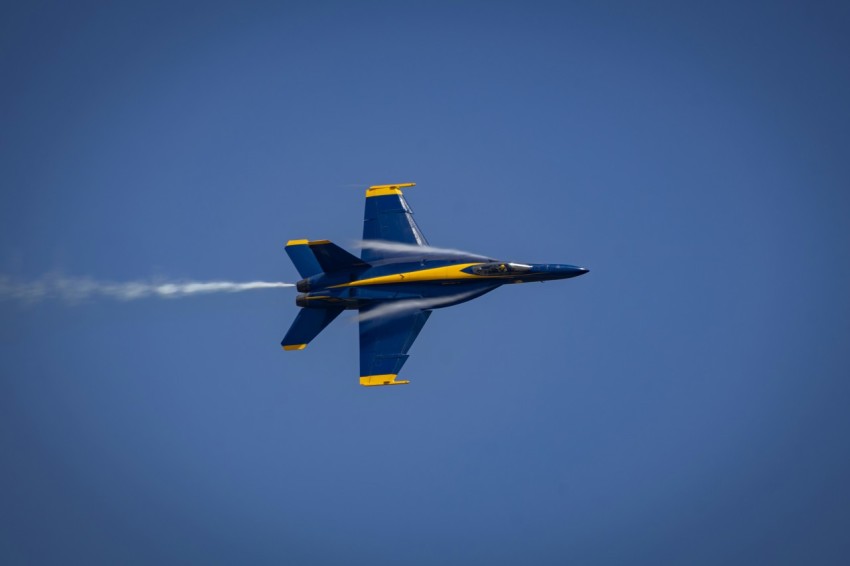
396, 283
443, 281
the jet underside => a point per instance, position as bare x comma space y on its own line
395, 284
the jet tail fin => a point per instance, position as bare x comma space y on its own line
316, 256
303, 259
307, 325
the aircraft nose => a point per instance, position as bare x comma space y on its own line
561, 271
558, 271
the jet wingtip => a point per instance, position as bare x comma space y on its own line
382, 190
382, 379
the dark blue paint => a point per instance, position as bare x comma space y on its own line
389, 218
384, 343
386, 339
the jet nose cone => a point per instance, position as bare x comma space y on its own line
566, 271
549, 271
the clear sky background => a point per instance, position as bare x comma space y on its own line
684, 403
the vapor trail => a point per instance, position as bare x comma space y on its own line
395, 308
382, 245
73, 289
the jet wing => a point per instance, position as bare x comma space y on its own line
384, 342
389, 219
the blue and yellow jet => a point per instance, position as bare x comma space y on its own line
395, 283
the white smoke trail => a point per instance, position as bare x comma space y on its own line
75, 289
402, 306
413, 249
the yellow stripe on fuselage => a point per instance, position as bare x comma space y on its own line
446, 273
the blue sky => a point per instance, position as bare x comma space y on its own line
685, 402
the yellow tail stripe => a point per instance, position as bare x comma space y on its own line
380, 379
307, 242
381, 190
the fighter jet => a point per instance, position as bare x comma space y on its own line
395, 283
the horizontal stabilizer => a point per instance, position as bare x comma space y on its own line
333, 258
312, 257
307, 325
302, 258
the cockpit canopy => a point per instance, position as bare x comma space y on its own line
500, 268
